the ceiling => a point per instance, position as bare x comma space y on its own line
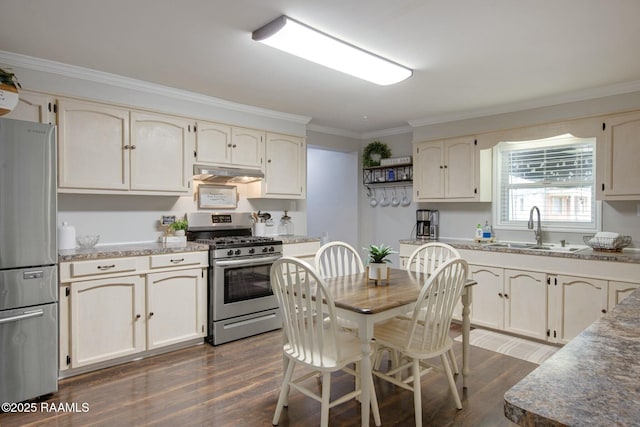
471, 58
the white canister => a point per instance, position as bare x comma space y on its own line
66, 236
259, 229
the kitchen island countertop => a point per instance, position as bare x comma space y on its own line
296, 239
127, 250
592, 380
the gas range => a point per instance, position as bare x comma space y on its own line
229, 235
239, 247
240, 300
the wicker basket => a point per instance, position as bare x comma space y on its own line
607, 244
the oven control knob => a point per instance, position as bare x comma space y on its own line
230, 252
252, 251
265, 249
271, 249
238, 251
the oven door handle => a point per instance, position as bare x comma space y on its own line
246, 262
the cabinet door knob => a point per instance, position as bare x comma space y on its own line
604, 311
151, 314
500, 294
133, 147
228, 145
269, 161
137, 316
126, 147
506, 296
234, 145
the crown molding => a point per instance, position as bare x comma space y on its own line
569, 97
87, 74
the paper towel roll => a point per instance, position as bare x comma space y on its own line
66, 236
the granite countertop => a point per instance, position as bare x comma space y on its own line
592, 380
630, 255
297, 239
127, 250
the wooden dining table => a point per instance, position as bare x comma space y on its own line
366, 302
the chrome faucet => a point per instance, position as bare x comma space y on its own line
537, 231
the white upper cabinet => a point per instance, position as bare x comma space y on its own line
285, 168
621, 158
159, 152
93, 146
451, 170
220, 144
33, 107
108, 149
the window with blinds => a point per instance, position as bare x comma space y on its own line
555, 174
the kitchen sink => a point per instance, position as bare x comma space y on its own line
532, 246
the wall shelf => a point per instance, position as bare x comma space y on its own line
391, 175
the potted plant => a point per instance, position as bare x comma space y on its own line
8, 91
374, 152
378, 262
179, 226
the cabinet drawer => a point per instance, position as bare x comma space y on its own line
102, 266
178, 259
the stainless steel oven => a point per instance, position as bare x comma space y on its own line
240, 300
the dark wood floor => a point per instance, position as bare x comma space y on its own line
236, 385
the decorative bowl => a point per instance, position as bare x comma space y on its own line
88, 241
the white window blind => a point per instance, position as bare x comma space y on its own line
555, 174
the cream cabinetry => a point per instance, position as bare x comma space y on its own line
619, 291
574, 304
621, 158
285, 168
488, 296
159, 147
114, 309
305, 251
33, 107
175, 309
451, 170
220, 144
111, 150
525, 303
555, 303
106, 319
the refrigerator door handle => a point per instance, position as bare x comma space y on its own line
23, 316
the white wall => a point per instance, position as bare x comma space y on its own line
332, 195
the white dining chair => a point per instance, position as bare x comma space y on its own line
426, 258
318, 345
336, 259
426, 334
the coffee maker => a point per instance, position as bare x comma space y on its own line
427, 224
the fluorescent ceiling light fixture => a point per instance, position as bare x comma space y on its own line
305, 42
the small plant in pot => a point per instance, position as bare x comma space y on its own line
179, 227
8, 91
378, 262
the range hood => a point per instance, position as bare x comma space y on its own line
226, 174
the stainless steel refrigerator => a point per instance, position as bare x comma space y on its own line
28, 261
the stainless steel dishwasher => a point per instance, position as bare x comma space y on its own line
28, 261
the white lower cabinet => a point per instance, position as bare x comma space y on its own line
487, 307
305, 251
525, 301
106, 319
619, 291
176, 309
574, 304
114, 309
